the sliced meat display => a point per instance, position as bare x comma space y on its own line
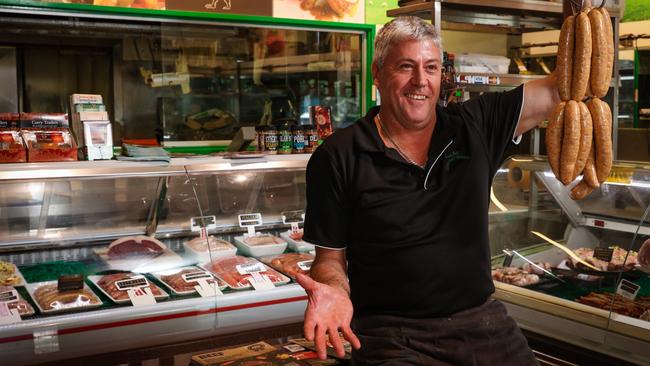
135, 247
290, 263
178, 283
226, 269
107, 283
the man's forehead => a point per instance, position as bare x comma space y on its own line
402, 47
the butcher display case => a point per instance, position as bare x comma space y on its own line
575, 271
108, 256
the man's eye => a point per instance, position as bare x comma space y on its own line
432, 68
405, 66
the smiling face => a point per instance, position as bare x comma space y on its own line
409, 83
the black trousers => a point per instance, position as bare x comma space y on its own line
481, 336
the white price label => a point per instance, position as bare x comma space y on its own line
628, 289
305, 265
141, 296
250, 268
291, 217
254, 219
8, 316
132, 282
260, 281
206, 289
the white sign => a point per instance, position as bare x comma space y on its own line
141, 296
628, 289
250, 268
8, 316
260, 281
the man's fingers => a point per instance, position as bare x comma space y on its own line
308, 328
335, 340
320, 342
306, 282
351, 337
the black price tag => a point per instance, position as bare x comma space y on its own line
133, 282
9, 296
70, 282
604, 254
289, 217
628, 289
208, 222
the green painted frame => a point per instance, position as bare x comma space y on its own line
367, 29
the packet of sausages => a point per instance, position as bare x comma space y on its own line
47, 137
290, 263
239, 272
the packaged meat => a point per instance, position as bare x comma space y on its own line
12, 147
295, 241
219, 248
108, 284
13, 299
182, 280
236, 271
622, 260
10, 275
133, 247
49, 299
260, 245
290, 263
47, 137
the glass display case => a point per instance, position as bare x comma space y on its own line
109, 256
575, 270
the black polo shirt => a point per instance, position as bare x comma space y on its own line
416, 239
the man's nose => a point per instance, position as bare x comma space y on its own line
419, 76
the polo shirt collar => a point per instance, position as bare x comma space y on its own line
368, 139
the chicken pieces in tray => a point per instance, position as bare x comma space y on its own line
329, 9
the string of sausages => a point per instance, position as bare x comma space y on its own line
578, 137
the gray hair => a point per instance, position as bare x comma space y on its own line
400, 29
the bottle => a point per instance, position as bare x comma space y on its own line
298, 135
260, 131
311, 139
271, 139
285, 141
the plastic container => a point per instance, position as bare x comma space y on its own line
290, 263
198, 248
232, 271
173, 280
260, 245
49, 299
107, 285
481, 63
12, 147
296, 243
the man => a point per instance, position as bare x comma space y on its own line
398, 204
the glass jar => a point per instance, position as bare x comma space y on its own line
298, 135
260, 132
311, 139
271, 139
285, 140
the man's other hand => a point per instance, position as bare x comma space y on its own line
329, 310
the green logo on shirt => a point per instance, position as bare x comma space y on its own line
452, 157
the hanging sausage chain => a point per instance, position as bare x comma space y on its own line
578, 137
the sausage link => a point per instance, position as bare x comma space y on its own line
609, 40
565, 58
580, 191
598, 78
602, 121
570, 141
586, 138
589, 172
581, 57
554, 132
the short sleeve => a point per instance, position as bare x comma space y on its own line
327, 216
496, 116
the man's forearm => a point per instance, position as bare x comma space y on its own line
330, 272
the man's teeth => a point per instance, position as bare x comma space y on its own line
416, 96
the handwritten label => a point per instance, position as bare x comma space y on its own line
250, 268
132, 282
249, 221
604, 254
9, 296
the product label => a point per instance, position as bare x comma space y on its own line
271, 141
86, 99
37, 120
196, 276
299, 142
208, 222
604, 254
9, 296
8, 316
305, 265
141, 296
628, 289
206, 289
250, 268
285, 143
132, 282
260, 281
289, 217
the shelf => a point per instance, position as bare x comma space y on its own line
506, 16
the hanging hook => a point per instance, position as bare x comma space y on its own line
602, 5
